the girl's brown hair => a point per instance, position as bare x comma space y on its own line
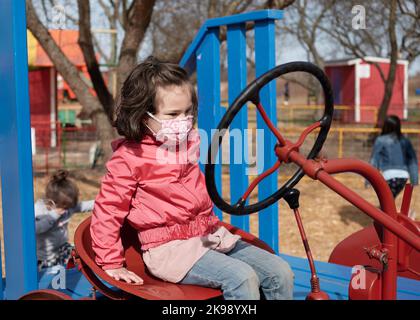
62, 190
138, 95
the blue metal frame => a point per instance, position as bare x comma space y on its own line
237, 78
15, 153
203, 54
188, 61
265, 59
208, 82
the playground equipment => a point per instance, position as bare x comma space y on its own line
203, 56
398, 234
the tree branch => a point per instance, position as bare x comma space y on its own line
140, 14
86, 44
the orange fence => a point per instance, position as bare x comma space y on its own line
350, 141
295, 112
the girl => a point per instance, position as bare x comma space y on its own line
52, 215
149, 183
394, 155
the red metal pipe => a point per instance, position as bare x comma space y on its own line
305, 242
270, 125
316, 293
405, 206
286, 152
389, 241
387, 216
259, 178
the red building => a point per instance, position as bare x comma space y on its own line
44, 89
357, 84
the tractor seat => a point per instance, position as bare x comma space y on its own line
153, 288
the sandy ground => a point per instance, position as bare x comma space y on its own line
327, 217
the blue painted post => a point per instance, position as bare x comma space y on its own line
1, 274
208, 82
15, 153
237, 79
265, 60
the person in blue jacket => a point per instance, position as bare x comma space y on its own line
394, 155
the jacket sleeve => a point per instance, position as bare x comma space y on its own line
412, 164
111, 207
83, 206
374, 158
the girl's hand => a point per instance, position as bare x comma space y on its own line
124, 274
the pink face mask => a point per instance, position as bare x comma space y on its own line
173, 131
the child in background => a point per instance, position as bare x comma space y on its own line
181, 238
52, 215
394, 155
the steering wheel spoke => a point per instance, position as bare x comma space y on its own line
270, 125
255, 182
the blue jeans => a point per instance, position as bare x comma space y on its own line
241, 272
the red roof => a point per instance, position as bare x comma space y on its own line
65, 39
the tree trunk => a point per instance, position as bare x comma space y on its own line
138, 21
389, 83
87, 47
106, 133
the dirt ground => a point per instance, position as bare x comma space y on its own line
327, 217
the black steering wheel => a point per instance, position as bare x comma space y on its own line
251, 94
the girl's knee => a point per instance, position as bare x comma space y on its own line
279, 274
278, 282
244, 285
248, 277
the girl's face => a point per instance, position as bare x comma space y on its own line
171, 102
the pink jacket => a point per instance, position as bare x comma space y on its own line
163, 202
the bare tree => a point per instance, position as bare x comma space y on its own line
186, 16
391, 31
135, 17
409, 27
304, 20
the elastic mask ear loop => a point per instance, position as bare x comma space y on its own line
152, 116
154, 134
